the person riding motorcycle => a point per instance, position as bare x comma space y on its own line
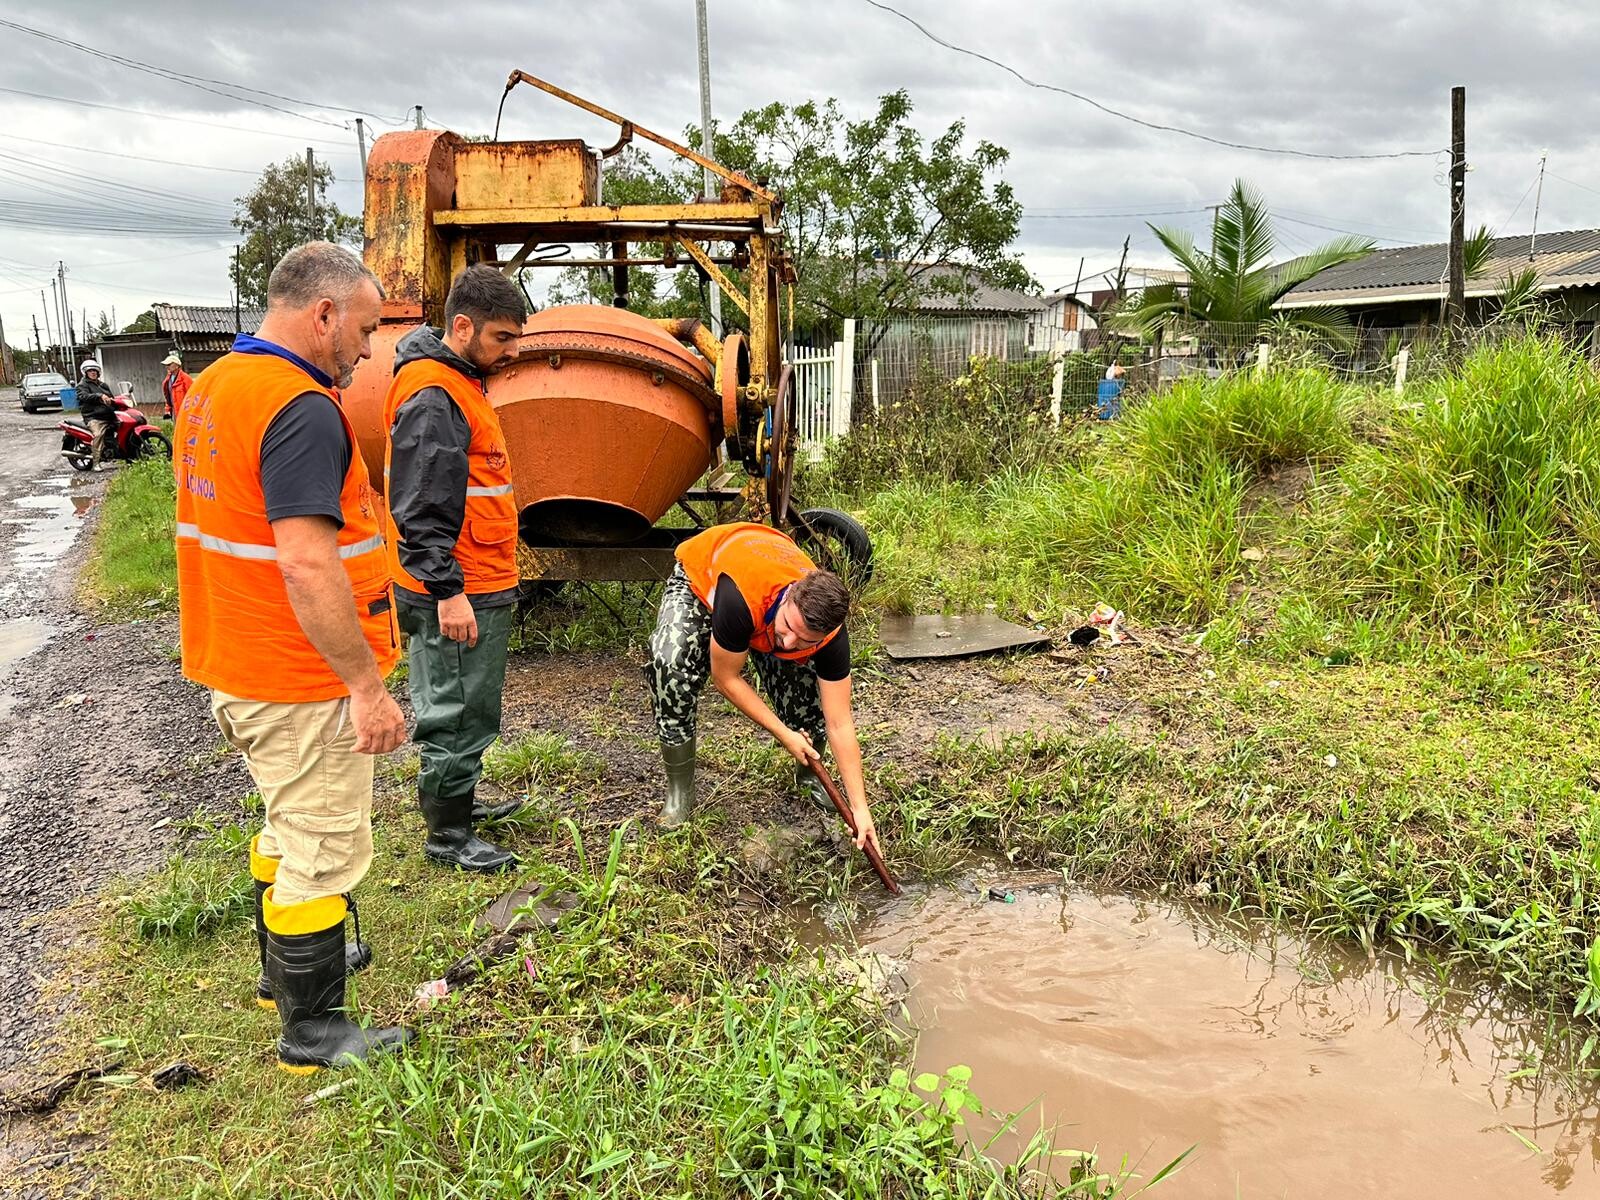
94, 402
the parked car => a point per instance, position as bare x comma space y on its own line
41, 388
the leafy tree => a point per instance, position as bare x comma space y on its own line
273, 219
101, 328
145, 322
874, 216
1236, 280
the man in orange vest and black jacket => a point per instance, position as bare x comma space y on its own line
286, 615
453, 552
747, 591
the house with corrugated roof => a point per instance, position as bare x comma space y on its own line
1404, 286
201, 334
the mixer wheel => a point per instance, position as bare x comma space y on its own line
778, 447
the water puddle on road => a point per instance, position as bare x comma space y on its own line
1141, 1027
43, 526
18, 639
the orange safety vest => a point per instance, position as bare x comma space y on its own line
762, 562
487, 546
238, 630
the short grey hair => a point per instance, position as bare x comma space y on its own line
316, 271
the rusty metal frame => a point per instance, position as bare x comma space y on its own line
733, 221
709, 266
626, 126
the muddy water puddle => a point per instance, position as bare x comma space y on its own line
37, 530
1140, 1028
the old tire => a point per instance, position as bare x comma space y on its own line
838, 542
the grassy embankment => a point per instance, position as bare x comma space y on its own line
1400, 741
1391, 736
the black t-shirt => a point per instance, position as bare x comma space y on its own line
305, 456
732, 626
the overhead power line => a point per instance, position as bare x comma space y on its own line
201, 82
1156, 125
168, 162
144, 112
1162, 212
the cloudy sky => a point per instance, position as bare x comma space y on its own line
79, 184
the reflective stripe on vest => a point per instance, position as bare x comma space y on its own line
254, 550
486, 547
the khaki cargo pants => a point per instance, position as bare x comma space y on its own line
318, 791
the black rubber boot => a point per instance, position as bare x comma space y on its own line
807, 783
679, 761
810, 787
451, 841
493, 812
357, 954
307, 974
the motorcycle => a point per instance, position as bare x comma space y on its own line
132, 437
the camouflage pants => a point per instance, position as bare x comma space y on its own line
680, 664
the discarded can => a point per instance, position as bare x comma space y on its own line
1002, 895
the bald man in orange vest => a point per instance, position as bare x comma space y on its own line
287, 615
747, 592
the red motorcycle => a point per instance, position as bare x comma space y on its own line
133, 437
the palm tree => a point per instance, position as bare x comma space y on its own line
1236, 280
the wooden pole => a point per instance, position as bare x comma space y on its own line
845, 814
1456, 298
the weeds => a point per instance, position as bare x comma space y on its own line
135, 556
654, 1045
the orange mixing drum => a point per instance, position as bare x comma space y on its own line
608, 420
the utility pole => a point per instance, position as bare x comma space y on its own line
708, 180
361, 145
57, 286
417, 110
1456, 298
311, 194
48, 335
66, 312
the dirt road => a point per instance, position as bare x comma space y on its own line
101, 742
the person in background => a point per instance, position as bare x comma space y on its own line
1109, 394
94, 402
175, 384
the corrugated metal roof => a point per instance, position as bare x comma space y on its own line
199, 318
1563, 259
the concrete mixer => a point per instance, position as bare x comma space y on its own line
612, 420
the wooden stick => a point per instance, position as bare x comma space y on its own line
873, 856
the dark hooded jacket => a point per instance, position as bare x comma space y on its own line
428, 478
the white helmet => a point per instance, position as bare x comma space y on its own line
88, 365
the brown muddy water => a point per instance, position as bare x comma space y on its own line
1140, 1027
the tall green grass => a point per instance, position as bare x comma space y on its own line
1481, 506
134, 557
1151, 521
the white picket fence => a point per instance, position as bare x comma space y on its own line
823, 383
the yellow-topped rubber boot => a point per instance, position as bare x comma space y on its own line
306, 969
264, 870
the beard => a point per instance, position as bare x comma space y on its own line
344, 363
485, 359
